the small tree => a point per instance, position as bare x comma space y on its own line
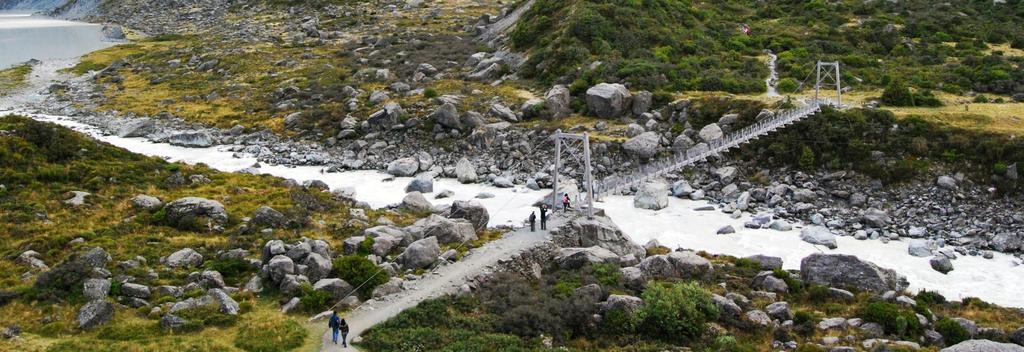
807, 159
787, 85
675, 311
897, 94
355, 270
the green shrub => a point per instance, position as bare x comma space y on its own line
430, 93
729, 344
676, 311
607, 275
787, 86
270, 335
897, 94
205, 316
818, 294
952, 332
313, 301
928, 298
894, 320
357, 270
981, 99
803, 322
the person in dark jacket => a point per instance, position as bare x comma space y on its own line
338, 326
533, 221
543, 217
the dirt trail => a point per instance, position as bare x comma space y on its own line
442, 281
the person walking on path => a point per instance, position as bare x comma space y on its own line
338, 327
533, 221
543, 217
565, 202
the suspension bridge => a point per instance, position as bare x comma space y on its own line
827, 76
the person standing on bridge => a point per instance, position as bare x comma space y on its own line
533, 221
543, 217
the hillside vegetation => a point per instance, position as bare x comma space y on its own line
956, 46
587, 308
40, 164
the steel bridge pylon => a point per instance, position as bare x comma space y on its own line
828, 77
578, 147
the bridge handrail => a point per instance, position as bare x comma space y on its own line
679, 159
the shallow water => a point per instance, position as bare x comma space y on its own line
24, 37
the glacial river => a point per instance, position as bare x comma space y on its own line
999, 280
24, 36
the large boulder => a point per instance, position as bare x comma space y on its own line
599, 231
575, 258
415, 201
136, 128
266, 216
420, 254
983, 346
191, 139
185, 213
184, 258
422, 184
403, 167
556, 102
280, 266
146, 202
675, 265
448, 116
644, 145
95, 313
711, 132
465, 171
651, 195
94, 289
470, 210
608, 100
626, 304
225, 304
448, 230
941, 263
876, 218
920, 247
317, 266
840, 270
946, 182
70, 274
337, 288
819, 235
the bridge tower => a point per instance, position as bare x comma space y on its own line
829, 77
577, 146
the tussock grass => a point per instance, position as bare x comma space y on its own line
13, 78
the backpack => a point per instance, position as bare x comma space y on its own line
333, 323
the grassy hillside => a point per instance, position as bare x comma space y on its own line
700, 45
40, 163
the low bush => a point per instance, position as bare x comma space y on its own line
607, 275
676, 311
895, 320
926, 297
205, 316
952, 332
313, 301
358, 270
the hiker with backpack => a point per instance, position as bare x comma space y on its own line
338, 326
